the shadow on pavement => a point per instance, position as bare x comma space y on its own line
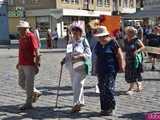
53, 90
134, 116
69, 88
91, 94
94, 94
68, 91
41, 113
119, 93
148, 70
154, 79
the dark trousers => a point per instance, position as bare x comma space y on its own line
106, 85
55, 42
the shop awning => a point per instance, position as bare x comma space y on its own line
144, 14
58, 13
85, 13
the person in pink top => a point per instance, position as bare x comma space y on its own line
28, 63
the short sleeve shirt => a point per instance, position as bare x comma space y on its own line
154, 40
27, 46
106, 57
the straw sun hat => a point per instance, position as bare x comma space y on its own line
23, 24
101, 31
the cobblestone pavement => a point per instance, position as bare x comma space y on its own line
132, 107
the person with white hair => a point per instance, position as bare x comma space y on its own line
134, 60
28, 63
78, 51
108, 54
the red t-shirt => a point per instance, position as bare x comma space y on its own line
27, 46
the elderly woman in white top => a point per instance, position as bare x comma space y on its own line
78, 51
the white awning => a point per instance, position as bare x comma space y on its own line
74, 12
144, 14
57, 13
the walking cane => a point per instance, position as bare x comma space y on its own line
60, 75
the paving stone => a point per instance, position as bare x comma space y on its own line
128, 107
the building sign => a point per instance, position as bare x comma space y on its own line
4, 34
111, 22
15, 12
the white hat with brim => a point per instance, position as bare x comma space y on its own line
23, 24
101, 31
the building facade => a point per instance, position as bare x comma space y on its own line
124, 6
152, 8
56, 13
60, 13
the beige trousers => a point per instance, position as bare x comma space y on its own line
26, 81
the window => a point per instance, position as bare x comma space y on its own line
65, 1
106, 2
131, 3
92, 1
100, 3
86, 4
11, 2
103, 3
75, 1
115, 5
35, 1
71, 1
120, 4
125, 4
43, 22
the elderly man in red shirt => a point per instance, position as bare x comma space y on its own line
28, 63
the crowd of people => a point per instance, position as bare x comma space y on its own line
101, 48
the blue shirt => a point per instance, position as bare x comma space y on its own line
106, 57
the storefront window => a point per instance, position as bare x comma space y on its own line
44, 24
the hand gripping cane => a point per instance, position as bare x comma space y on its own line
60, 75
